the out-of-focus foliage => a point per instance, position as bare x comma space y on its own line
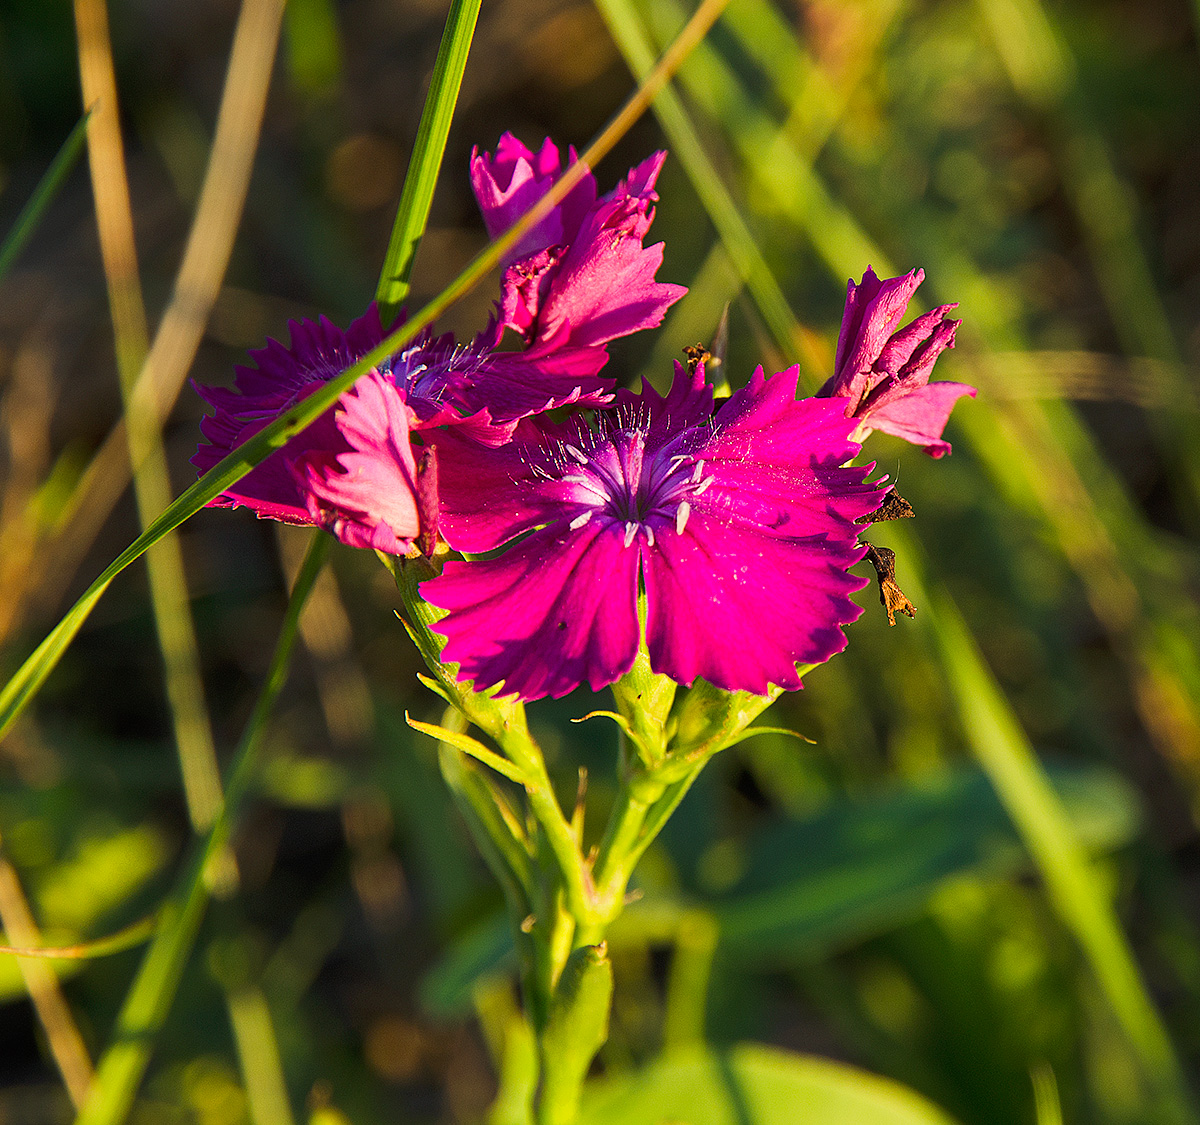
1039, 160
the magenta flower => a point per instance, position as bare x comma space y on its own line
884, 373
439, 382
726, 522
582, 276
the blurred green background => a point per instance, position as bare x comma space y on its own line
862, 896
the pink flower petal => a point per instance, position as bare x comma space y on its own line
556, 610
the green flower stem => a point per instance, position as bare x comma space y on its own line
637, 795
576, 1029
504, 721
417, 194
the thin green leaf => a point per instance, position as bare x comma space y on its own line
31, 214
1004, 752
417, 194
470, 746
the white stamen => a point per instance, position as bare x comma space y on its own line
578, 454
698, 471
681, 516
580, 520
702, 487
649, 536
630, 532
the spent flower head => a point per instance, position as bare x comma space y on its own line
882, 371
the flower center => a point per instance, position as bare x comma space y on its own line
619, 480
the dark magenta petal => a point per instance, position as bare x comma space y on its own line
920, 415
742, 608
597, 282
736, 520
873, 311
557, 610
687, 404
270, 489
366, 495
490, 496
508, 184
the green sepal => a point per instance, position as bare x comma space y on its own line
711, 719
626, 726
750, 732
644, 699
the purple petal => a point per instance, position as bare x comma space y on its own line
270, 489
557, 610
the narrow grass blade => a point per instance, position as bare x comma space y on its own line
24, 685
152, 486
426, 162
31, 214
121, 1068
1006, 755
627, 29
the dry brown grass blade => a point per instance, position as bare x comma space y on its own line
66, 1044
152, 485
210, 243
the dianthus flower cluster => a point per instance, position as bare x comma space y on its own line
720, 536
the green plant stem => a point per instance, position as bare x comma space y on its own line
120, 1069
620, 842
417, 195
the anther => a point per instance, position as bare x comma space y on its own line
681, 516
